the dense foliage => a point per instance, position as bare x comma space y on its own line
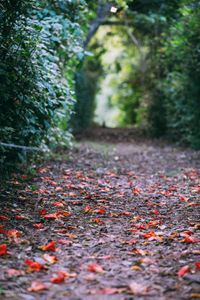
40, 47
155, 74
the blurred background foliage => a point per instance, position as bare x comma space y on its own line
63, 62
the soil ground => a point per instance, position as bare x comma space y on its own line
116, 218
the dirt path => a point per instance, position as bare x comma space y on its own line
123, 219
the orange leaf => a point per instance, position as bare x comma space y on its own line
49, 247
149, 234
52, 259
34, 265
184, 270
3, 249
136, 191
95, 268
97, 221
13, 233
37, 286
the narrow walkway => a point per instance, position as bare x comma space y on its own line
104, 222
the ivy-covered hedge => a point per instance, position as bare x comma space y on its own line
40, 45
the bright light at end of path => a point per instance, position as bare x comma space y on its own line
113, 9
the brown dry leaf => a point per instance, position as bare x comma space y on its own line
138, 288
195, 295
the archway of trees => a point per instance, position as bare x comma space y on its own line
144, 57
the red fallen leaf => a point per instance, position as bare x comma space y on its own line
59, 277
58, 189
184, 270
52, 259
183, 198
95, 268
53, 216
149, 234
65, 242
155, 212
34, 265
58, 204
196, 189
37, 286
190, 239
3, 218
38, 225
42, 212
100, 211
3, 249
153, 223
20, 217
136, 191
52, 183
197, 264
139, 226
14, 272
126, 213
13, 233
76, 203
186, 233
87, 209
64, 213
97, 221
49, 247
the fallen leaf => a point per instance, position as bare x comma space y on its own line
3, 218
14, 272
49, 247
190, 239
52, 259
37, 286
13, 233
34, 265
3, 249
60, 277
197, 264
96, 268
184, 270
38, 225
